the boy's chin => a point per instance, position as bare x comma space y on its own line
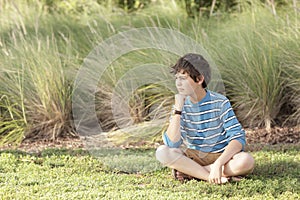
183, 93
180, 91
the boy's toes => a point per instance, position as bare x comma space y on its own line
224, 180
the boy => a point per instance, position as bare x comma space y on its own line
205, 122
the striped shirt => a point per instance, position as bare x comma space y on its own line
208, 125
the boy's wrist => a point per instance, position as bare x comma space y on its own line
218, 163
177, 112
178, 109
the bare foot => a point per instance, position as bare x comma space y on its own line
181, 176
235, 178
224, 180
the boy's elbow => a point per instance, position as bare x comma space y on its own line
242, 143
172, 144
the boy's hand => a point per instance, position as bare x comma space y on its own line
179, 101
215, 175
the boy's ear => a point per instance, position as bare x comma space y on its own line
200, 79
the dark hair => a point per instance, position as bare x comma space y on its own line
187, 67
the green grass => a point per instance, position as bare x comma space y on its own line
75, 174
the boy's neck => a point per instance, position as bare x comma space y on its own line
199, 95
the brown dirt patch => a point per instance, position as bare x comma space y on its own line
276, 136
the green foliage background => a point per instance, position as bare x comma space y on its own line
43, 44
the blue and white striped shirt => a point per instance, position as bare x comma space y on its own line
208, 125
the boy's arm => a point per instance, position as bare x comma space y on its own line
233, 128
231, 149
173, 131
236, 141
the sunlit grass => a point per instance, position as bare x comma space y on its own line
134, 173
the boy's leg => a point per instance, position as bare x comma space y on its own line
241, 164
175, 158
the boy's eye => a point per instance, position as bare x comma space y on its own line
180, 78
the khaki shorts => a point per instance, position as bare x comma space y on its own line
200, 157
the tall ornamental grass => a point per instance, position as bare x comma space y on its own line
35, 92
41, 50
249, 50
40, 55
149, 104
290, 58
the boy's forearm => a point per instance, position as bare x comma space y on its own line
232, 148
173, 130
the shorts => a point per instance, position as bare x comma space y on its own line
202, 158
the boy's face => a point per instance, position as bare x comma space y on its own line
185, 84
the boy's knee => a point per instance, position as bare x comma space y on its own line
247, 162
162, 153
167, 155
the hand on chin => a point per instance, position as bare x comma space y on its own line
182, 92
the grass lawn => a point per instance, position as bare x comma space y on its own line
76, 174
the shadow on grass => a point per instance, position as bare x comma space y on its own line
278, 179
48, 152
117, 160
278, 165
276, 169
102, 152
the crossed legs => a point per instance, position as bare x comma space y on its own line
241, 164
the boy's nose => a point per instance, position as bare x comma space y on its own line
178, 82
